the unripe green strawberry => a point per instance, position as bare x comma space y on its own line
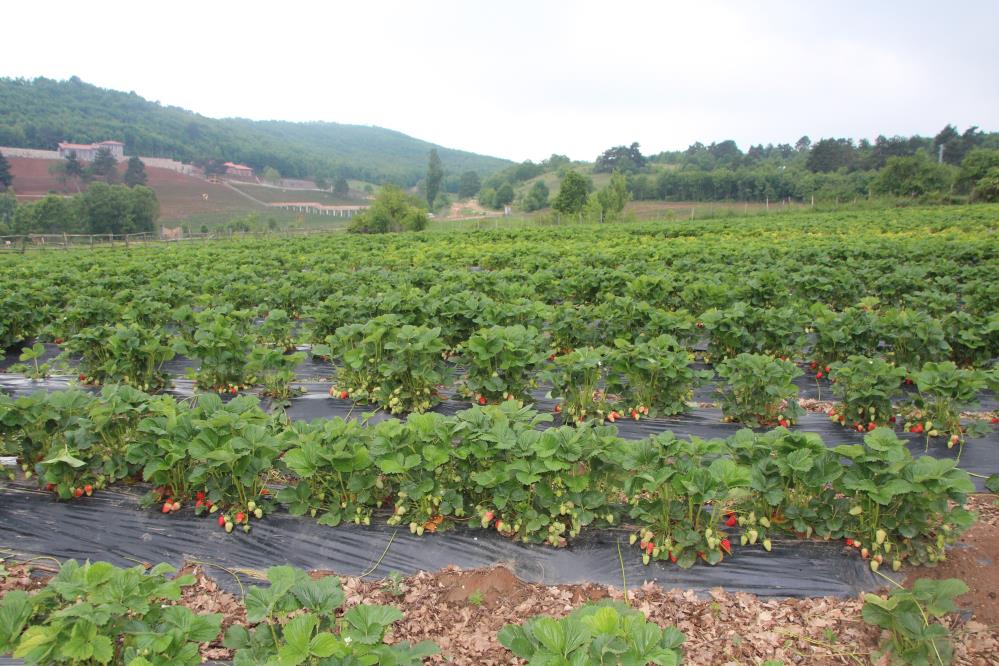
767, 545
251, 505
645, 558
632, 539
896, 565
258, 512
764, 521
880, 536
228, 526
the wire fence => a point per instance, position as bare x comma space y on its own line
24, 243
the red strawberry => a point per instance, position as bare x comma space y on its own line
994, 420
891, 420
240, 517
818, 375
726, 546
167, 507
49, 486
672, 558
732, 520
221, 520
344, 395
849, 541
488, 515
58, 341
83, 378
232, 390
200, 495
871, 426
784, 423
649, 547
827, 369
558, 408
198, 504
264, 491
89, 489
77, 492
482, 400
175, 506
814, 365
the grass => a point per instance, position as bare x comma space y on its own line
280, 194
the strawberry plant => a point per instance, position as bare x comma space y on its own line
36, 370
578, 377
602, 633
901, 508
652, 377
274, 370
670, 483
220, 344
100, 614
160, 448
232, 450
501, 363
912, 337
127, 353
337, 479
911, 618
276, 331
415, 459
759, 390
865, 388
792, 477
398, 367
944, 390
529, 484
839, 335
298, 620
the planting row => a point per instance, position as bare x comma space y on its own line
401, 368
916, 286
495, 468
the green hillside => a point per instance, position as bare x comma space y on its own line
41, 112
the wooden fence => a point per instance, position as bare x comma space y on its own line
24, 243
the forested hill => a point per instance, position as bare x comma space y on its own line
41, 112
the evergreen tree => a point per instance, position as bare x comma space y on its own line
105, 166
435, 173
6, 177
135, 174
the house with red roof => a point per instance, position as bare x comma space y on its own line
239, 170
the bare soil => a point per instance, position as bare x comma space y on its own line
974, 560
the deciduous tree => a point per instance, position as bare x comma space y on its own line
572, 193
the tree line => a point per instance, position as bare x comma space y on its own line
39, 113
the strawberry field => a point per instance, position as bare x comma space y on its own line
790, 405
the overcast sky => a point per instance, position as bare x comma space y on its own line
525, 79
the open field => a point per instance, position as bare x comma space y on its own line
800, 404
269, 194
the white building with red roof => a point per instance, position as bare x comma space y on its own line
86, 152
